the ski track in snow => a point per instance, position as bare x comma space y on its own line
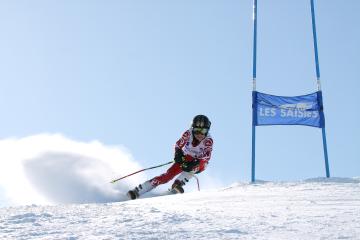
314, 209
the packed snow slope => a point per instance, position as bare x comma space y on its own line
311, 209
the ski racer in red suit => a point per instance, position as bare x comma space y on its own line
192, 154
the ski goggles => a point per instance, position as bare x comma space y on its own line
202, 131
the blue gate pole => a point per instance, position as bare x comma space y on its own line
325, 153
319, 84
253, 156
254, 89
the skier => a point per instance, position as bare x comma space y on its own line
192, 154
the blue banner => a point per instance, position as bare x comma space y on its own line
276, 110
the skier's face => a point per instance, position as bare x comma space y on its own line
199, 136
200, 133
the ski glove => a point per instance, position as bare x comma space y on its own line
189, 166
179, 156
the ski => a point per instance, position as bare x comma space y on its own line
132, 196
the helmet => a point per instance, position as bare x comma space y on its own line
201, 121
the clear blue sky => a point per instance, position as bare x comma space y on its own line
134, 73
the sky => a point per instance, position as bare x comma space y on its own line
132, 74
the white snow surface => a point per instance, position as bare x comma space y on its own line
311, 209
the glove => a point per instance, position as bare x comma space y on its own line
190, 165
179, 156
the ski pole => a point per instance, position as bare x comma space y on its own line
115, 180
197, 180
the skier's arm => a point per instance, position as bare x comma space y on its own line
179, 154
182, 141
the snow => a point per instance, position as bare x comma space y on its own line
54, 169
311, 209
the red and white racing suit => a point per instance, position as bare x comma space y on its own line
201, 152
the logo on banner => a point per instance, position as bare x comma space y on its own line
301, 106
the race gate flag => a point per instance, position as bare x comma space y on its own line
276, 110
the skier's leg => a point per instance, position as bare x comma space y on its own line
174, 170
141, 189
147, 186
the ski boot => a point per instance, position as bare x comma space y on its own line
180, 181
139, 190
177, 187
133, 194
